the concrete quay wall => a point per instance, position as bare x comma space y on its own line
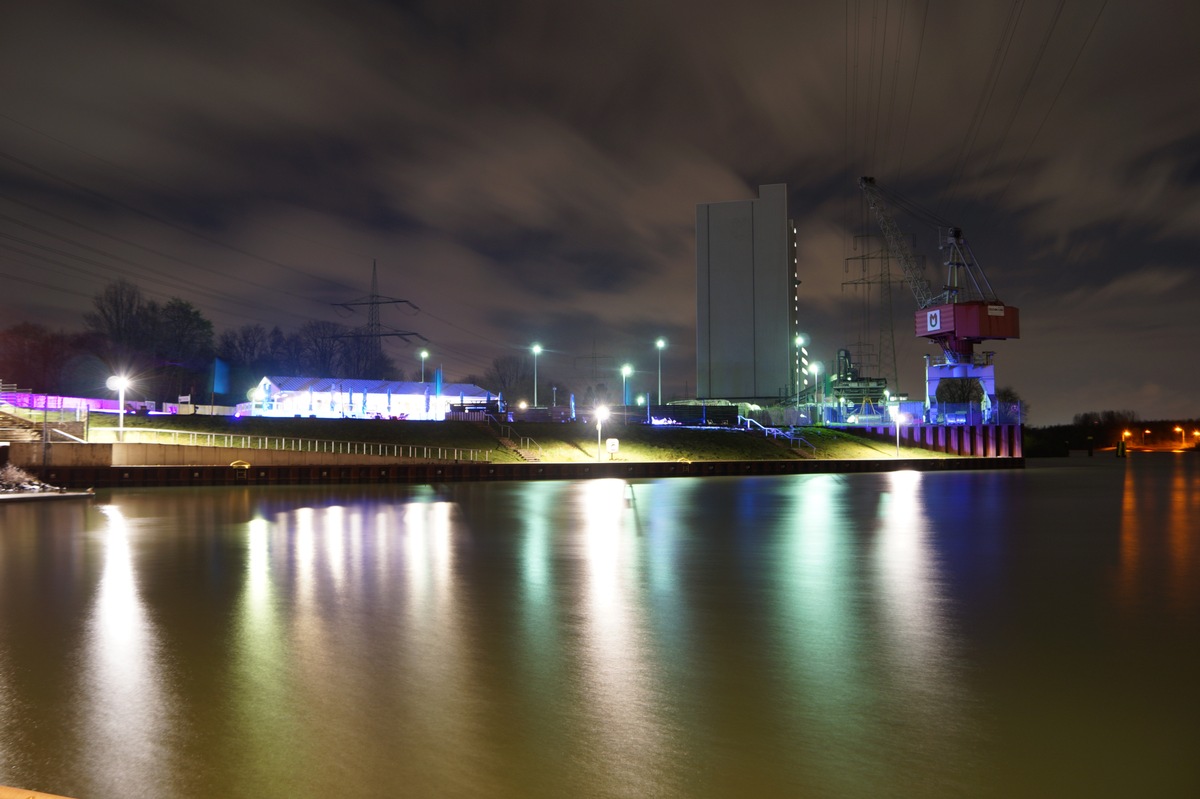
35, 455
971, 441
395, 472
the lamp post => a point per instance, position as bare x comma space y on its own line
119, 383
601, 415
424, 354
537, 349
660, 344
1144, 434
626, 371
813, 369
1179, 430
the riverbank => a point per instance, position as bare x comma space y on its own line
568, 442
145, 476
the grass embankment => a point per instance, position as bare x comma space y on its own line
558, 443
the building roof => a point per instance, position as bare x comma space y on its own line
398, 387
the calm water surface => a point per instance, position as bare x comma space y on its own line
1030, 633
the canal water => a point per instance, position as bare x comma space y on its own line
1011, 633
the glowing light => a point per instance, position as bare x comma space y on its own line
119, 383
128, 710
601, 415
660, 344
537, 350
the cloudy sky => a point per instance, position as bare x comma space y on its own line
528, 170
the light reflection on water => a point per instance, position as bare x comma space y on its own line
125, 739
897, 634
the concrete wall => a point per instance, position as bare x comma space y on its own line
744, 298
95, 455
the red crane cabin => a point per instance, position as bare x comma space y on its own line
971, 321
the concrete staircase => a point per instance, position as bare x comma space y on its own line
527, 455
14, 428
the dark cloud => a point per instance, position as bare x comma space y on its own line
529, 170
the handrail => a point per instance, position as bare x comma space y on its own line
65, 434
775, 432
244, 441
529, 443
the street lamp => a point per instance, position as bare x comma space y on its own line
537, 349
601, 415
813, 369
626, 371
424, 354
119, 383
660, 344
901, 418
1179, 430
1144, 434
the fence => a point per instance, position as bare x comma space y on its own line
145, 435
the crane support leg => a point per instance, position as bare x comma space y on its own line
935, 373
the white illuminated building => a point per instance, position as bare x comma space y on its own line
334, 398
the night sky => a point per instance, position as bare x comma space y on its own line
529, 170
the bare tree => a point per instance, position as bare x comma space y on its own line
509, 375
322, 347
247, 346
34, 357
959, 390
286, 352
1011, 404
184, 346
125, 322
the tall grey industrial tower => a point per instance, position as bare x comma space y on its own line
746, 306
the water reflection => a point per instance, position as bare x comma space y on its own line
924, 691
878, 634
818, 617
1160, 502
127, 712
618, 681
8, 710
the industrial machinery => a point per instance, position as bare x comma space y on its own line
962, 313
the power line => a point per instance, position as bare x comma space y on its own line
1017, 169
912, 95
985, 98
1025, 87
165, 222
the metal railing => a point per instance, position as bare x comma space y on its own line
146, 435
791, 436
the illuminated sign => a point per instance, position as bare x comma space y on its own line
933, 320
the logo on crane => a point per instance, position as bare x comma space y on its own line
933, 320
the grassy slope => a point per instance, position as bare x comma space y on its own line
559, 442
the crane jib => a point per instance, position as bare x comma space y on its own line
967, 310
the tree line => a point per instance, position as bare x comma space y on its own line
171, 350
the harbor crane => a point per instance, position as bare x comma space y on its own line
961, 313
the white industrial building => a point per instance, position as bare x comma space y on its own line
746, 306
335, 398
